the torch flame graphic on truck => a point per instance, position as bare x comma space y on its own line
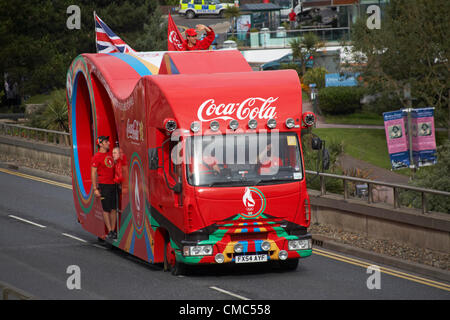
249, 203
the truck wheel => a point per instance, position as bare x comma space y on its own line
179, 269
221, 13
170, 261
169, 256
190, 14
289, 265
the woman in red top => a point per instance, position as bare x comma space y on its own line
191, 42
120, 170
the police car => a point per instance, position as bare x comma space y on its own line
191, 8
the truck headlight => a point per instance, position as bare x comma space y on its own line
238, 248
299, 244
265, 245
206, 250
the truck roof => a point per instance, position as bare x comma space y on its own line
224, 96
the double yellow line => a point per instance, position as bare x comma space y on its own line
320, 252
392, 272
27, 176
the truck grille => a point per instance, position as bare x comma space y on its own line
248, 236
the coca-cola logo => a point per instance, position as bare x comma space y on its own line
173, 38
135, 130
250, 108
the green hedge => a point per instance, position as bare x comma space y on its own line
340, 100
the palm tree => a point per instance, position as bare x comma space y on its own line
232, 13
55, 115
304, 48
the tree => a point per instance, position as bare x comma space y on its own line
434, 177
410, 50
154, 37
305, 48
316, 76
37, 47
232, 12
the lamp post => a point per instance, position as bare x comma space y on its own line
408, 110
313, 89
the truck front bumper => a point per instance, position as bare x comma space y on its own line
245, 251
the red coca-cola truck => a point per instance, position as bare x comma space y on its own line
212, 159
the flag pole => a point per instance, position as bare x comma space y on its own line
95, 31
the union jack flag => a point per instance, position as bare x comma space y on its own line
107, 41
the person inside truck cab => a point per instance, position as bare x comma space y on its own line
269, 164
192, 43
207, 165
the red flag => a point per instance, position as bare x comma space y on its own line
174, 38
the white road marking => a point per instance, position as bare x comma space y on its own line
27, 221
99, 246
229, 293
73, 237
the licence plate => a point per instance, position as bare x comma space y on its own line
251, 258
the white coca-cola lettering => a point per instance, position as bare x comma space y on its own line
250, 108
173, 39
133, 130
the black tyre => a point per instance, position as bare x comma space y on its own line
179, 269
289, 265
190, 14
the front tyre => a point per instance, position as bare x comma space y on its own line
170, 261
289, 265
179, 269
190, 14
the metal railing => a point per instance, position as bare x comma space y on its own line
371, 183
281, 38
35, 134
8, 290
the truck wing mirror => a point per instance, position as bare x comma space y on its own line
153, 159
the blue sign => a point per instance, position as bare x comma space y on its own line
341, 79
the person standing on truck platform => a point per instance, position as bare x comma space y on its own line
102, 175
191, 42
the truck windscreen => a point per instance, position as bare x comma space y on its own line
243, 159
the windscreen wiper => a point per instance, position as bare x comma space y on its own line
216, 183
276, 180
237, 182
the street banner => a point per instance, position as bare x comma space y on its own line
397, 141
423, 139
174, 38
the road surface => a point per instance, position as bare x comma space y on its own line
41, 243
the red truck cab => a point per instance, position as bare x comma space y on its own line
215, 171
